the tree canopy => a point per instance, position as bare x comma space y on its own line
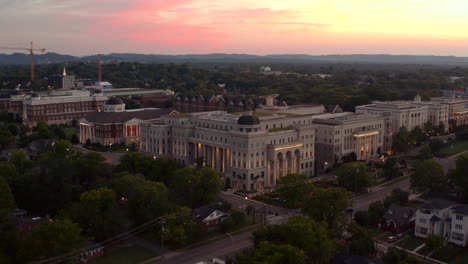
429, 176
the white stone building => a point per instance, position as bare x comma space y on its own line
443, 218
252, 152
340, 136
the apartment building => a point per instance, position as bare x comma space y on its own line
443, 218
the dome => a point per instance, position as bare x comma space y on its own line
248, 120
114, 101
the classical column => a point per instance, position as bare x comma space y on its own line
223, 159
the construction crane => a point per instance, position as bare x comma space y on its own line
31, 55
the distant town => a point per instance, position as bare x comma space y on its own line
91, 173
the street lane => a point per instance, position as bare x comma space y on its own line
362, 202
218, 249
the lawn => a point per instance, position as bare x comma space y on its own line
463, 257
125, 255
450, 253
410, 243
454, 147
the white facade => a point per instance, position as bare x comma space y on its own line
337, 137
443, 219
251, 156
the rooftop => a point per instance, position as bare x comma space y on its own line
122, 117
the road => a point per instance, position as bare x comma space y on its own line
362, 202
239, 202
221, 248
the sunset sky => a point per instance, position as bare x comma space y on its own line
84, 27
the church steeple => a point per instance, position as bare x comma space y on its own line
64, 71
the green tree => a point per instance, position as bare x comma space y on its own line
180, 228
327, 205
134, 162
354, 176
375, 212
146, 199
417, 136
441, 128
306, 234
53, 238
425, 153
7, 171
98, 213
458, 177
89, 168
270, 253
293, 189
6, 138
21, 160
429, 176
394, 255
362, 246
7, 201
195, 187
401, 140
390, 168
42, 129
397, 196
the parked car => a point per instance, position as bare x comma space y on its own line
391, 239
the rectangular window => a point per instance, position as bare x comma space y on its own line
457, 236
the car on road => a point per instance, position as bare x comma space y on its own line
391, 239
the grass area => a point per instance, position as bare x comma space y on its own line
454, 147
449, 253
395, 181
125, 255
424, 251
410, 243
463, 257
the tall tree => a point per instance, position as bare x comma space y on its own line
53, 238
306, 234
390, 168
458, 177
7, 201
270, 253
98, 213
354, 176
327, 205
294, 189
429, 176
401, 140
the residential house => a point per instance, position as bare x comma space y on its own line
443, 218
210, 219
399, 218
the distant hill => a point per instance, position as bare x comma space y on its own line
21, 58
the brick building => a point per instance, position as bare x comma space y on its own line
115, 124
